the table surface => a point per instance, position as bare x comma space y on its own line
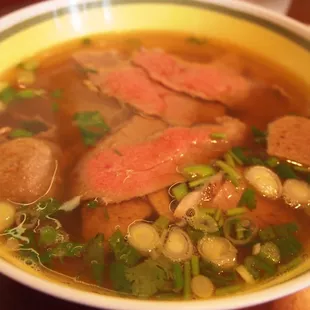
14, 296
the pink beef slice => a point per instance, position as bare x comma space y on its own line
267, 212
289, 138
212, 81
139, 169
131, 85
27, 166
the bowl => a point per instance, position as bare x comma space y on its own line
271, 36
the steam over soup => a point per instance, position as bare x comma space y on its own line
155, 165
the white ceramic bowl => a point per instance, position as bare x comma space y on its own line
43, 25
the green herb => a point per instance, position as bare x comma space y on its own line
236, 211
7, 94
195, 235
86, 41
267, 234
147, 278
48, 207
259, 135
285, 171
248, 199
179, 191
67, 249
48, 235
198, 182
197, 41
57, 93
30, 93
118, 277
34, 126
257, 266
218, 136
55, 106
285, 230
161, 223
229, 160
123, 252
289, 247
272, 162
255, 161
178, 279
94, 257
20, 133
92, 126
93, 204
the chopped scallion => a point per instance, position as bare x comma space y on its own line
229, 160
178, 279
236, 211
187, 280
272, 162
218, 136
20, 133
285, 171
233, 175
196, 183
198, 171
248, 199
161, 223
179, 191
195, 265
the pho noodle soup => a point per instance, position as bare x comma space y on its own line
155, 166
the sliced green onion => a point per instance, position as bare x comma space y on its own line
245, 274
229, 160
284, 171
218, 136
289, 247
236, 211
250, 227
272, 162
195, 265
187, 280
143, 237
250, 265
301, 169
285, 230
210, 211
179, 191
296, 193
177, 245
94, 257
267, 234
161, 223
200, 220
48, 235
198, 171
233, 175
227, 290
238, 155
57, 93
202, 286
218, 251
199, 182
270, 252
248, 199
218, 214
259, 135
7, 94
195, 235
188, 203
265, 181
20, 133
239, 231
178, 280
30, 93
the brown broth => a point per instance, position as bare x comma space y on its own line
58, 71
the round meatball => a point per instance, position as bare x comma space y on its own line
29, 168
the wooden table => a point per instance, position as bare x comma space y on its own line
14, 296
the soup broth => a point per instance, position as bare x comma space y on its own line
155, 165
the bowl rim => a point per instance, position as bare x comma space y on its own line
297, 32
